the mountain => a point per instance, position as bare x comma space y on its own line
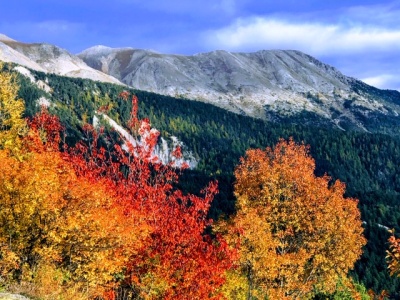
8, 54
277, 85
300, 93
272, 84
50, 59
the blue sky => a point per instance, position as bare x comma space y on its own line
360, 38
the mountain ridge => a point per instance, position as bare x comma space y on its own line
268, 84
367, 163
50, 59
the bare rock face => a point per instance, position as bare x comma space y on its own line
270, 85
257, 84
50, 59
9, 296
8, 54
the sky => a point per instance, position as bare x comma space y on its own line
359, 38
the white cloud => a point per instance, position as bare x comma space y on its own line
363, 41
383, 81
313, 38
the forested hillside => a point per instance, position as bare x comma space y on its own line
367, 163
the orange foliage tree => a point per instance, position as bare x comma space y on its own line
296, 232
92, 233
393, 255
52, 218
177, 259
101, 217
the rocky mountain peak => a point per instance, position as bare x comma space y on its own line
4, 38
267, 84
50, 59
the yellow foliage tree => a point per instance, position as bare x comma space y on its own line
50, 217
12, 125
90, 222
295, 231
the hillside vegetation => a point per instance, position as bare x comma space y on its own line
366, 163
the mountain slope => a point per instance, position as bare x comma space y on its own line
277, 85
266, 84
50, 59
8, 54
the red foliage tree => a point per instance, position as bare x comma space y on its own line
80, 222
176, 259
